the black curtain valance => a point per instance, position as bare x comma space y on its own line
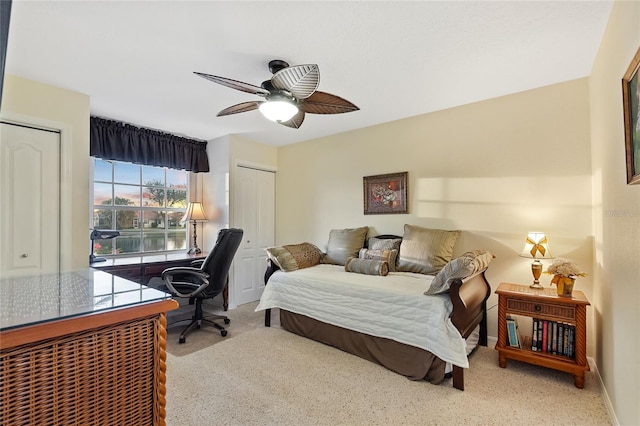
114, 140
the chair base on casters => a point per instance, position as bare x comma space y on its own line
198, 318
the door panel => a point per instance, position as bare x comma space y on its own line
29, 200
254, 207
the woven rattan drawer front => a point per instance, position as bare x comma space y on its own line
105, 376
550, 310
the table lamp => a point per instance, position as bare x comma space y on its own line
194, 213
100, 234
536, 247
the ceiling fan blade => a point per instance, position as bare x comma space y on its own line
326, 103
242, 107
300, 80
295, 122
235, 84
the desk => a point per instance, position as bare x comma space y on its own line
82, 347
142, 268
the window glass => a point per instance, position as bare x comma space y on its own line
177, 178
144, 203
103, 219
127, 243
127, 219
127, 195
153, 176
152, 196
102, 194
102, 170
126, 173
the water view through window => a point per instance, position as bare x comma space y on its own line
144, 203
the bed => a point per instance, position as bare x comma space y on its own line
385, 319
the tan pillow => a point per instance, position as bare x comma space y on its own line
367, 266
467, 264
425, 250
387, 255
343, 244
295, 256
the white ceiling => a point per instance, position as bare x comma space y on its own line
393, 59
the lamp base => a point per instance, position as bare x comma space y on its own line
194, 250
95, 259
536, 285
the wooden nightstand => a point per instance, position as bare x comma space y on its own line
545, 305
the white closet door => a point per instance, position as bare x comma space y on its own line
254, 212
29, 200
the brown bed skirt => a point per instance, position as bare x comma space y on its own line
412, 362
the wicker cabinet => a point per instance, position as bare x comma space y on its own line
82, 358
543, 304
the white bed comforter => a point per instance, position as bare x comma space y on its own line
393, 307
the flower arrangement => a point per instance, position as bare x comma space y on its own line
565, 268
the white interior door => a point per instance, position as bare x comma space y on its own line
29, 200
254, 212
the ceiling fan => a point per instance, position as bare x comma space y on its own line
289, 94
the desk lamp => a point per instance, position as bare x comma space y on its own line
195, 213
100, 234
536, 247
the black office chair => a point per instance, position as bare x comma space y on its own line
205, 282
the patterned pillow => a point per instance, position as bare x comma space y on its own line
425, 250
376, 243
367, 266
295, 256
343, 244
467, 264
387, 255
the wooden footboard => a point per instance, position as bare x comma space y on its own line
469, 297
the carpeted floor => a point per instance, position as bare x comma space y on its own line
268, 376
243, 319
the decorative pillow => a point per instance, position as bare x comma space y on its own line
387, 255
467, 264
367, 266
295, 256
343, 244
376, 243
425, 250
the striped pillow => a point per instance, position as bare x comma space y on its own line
387, 255
461, 267
367, 266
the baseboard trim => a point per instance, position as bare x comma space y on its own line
603, 389
491, 341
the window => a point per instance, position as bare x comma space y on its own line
144, 203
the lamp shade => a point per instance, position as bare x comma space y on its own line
536, 246
278, 110
195, 212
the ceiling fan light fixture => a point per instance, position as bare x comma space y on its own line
278, 110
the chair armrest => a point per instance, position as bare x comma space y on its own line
169, 274
197, 263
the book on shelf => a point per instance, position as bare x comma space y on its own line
512, 332
553, 337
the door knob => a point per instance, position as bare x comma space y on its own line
24, 255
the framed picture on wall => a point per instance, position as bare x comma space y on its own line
631, 99
385, 194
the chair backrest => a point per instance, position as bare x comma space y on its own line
218, 262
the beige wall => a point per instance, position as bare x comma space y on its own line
495, 169
37, 103
225, 154
616, 220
